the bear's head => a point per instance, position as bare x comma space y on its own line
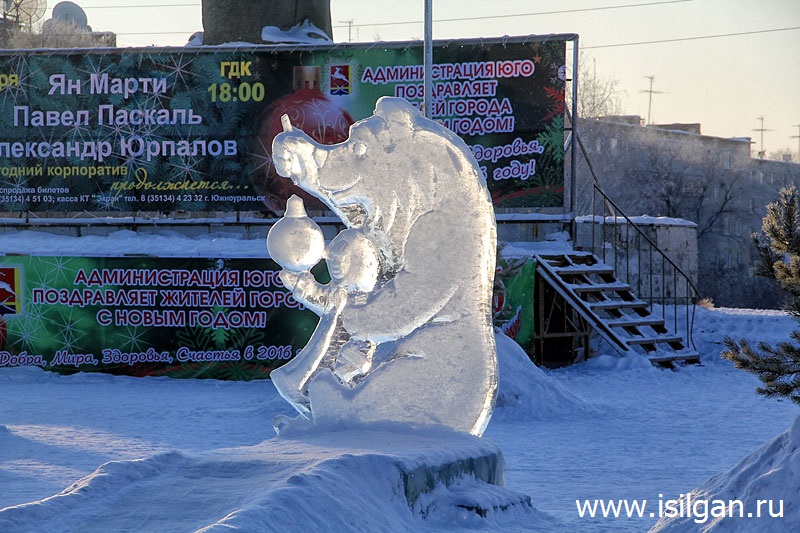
366, 178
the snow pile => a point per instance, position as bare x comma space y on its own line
527, 392
358, 480
303, 33
658, 432
470, 504
161, 243
553, 243
615, 363
755, 325
190, 453
323, 480
770, 474
195, 39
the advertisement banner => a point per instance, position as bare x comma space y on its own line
149, 316
190, 130
180, 317
513, 303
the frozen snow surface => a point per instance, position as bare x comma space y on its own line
319, 481
770, 475
94, 452
528, 393
196, 453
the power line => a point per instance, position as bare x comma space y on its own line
140, 6
185, 32
516, 15
621, 6
695, 38
637, 43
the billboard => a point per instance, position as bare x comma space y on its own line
149, 316
513, 302
120, 131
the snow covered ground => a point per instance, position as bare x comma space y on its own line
184, 451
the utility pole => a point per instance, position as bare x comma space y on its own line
762, 154
349, 29
650, 92
428, 60
798, 141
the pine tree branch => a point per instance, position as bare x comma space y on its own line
778, 249
765, 264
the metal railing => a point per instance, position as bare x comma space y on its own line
638, 261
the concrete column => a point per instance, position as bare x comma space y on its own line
242, 20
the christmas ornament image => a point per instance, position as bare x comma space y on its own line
310, 110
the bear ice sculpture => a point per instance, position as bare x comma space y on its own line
405, 332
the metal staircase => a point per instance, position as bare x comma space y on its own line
618, 281
610, 306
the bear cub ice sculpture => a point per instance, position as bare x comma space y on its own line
405, 332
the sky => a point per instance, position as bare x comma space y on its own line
721, 63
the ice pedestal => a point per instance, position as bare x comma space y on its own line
405, 332
360, 480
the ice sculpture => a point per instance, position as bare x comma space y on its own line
405, 332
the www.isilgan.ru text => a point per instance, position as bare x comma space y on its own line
700, 510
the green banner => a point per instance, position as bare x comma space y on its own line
149, 316
514, 305
180, 317
190, 130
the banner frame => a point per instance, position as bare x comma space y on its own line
177, 217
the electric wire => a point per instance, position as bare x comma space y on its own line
517, 15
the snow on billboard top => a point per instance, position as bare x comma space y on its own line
120, 131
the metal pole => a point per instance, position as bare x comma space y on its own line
573, 201
428, 64
650, 97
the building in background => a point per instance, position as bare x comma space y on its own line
68, 27
674, 171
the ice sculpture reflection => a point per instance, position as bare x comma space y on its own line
405, 331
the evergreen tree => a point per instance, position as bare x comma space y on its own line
779, 259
